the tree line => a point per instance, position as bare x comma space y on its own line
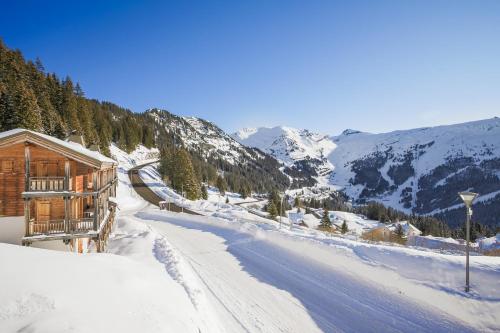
33, 99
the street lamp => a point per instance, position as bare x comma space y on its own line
468, 198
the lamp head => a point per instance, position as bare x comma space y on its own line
468, 197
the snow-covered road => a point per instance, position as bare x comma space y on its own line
258, 286
243, 274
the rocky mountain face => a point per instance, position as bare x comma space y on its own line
205, 137
417, 171
220, 150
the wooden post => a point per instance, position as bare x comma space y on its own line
27, 216
96, 199
67, 208
27, 161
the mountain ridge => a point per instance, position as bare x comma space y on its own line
417, 171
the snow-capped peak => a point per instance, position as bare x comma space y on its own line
287, 144
244, 133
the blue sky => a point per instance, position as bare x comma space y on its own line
324, 65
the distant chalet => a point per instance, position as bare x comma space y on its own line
64, 190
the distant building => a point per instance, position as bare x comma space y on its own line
490, 246
388, 232
61, 189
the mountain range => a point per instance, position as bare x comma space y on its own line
417, 171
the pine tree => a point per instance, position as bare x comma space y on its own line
399, 230
296, 202
184, 175
221, 185
325, 220
275, 198
178, 170
69, 107
227, 200
204, 192
344, 227
244, 191
51, 121
272, 210
148, 137
24, 111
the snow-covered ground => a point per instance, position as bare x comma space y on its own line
215, 205
140, 285
302, 261
139, 156
177, 272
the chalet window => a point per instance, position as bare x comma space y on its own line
7, 166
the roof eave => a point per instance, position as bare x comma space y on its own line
32, 137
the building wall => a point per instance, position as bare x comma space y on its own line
12, 180
379, 234
43, 163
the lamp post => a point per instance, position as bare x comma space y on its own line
468, 198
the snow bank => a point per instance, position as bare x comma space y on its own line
51, 291
140, 285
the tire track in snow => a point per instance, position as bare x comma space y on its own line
174, 272
182, 273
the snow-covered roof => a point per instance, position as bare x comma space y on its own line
407, 227
70, 149
491, 243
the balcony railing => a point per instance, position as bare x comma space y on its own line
44, 184
46, 227
80, 225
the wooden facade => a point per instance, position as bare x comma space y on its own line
62, 190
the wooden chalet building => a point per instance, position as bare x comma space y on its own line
64, 190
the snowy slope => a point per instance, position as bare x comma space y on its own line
140, 155
296, 148
286, 143
421, 170
50, 291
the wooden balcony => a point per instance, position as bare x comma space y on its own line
45, 227
51, 227
46, 184
81, 225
